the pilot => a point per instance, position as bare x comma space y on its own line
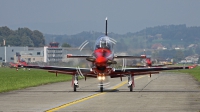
104, 45
97, 46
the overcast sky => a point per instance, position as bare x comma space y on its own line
75, 16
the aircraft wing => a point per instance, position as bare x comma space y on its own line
62, 70
148, 69
85, 56
142, 56
143, 71
116, 73
158, 65
70, 69
147, 66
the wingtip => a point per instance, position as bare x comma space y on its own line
69, 55
143, 56
193, 66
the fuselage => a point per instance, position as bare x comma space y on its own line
21, 63
103, 53
148, 62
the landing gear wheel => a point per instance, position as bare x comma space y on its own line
75, 86
75, 82
131, 87
101, 88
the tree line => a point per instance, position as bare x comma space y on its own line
21, 37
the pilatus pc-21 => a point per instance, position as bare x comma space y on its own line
148, 63
102, 58
20, 63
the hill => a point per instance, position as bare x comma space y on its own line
168, 36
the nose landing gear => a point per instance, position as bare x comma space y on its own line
101, 86
101, 78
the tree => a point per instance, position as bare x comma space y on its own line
5, 31
26, 41
179, 55
199, 60
21, 37
37, 38
65, 45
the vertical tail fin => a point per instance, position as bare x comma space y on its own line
106, 33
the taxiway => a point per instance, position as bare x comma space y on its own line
161, 92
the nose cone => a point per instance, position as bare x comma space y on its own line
148, 62
101, 59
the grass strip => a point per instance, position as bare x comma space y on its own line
10, 79
195, 72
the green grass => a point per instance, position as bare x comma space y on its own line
10, 79
194, 72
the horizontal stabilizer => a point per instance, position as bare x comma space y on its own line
142, 56
77, 56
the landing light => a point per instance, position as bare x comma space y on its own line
101, 78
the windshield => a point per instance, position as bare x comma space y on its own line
104, 42
22, 60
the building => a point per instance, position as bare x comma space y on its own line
7, 53
32, 55
53, 53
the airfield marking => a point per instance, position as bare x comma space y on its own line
87, 97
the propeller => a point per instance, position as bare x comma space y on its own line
124, 64
83, 45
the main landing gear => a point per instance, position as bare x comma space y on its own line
130, 82
75, 82
101, 78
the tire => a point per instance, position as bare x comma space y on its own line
131, 87
75, 88
101, 88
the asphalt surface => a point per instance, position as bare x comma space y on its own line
161, 92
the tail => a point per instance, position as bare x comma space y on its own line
147, 60
106, 33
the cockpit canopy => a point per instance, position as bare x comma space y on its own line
104, 42
22, 60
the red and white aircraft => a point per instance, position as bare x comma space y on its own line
102, 58
148, 63
20, 63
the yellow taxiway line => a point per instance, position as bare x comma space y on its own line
86, 98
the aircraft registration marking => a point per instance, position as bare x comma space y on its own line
86, 98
